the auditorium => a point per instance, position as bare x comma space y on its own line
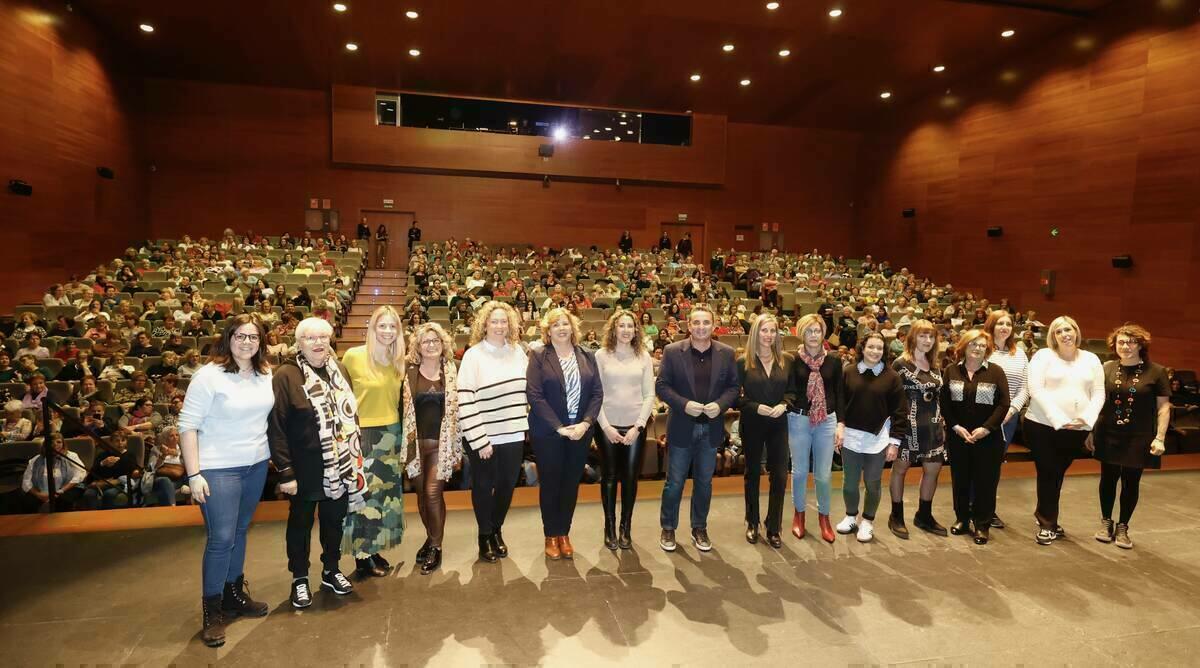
810, 332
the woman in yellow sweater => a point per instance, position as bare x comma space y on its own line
377, 373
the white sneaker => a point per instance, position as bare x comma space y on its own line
866, 531
847, 525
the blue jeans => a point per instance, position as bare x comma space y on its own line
233, 496
162, 492
700, 459
804, 440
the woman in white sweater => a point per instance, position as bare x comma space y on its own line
1015, 364
494, 416
627, 375
1066, 391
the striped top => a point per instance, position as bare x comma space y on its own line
492, 408
570, 369
1016, 367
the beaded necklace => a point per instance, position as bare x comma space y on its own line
1124, 407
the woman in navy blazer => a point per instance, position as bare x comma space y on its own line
565, 394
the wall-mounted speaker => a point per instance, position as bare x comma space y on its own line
995, 231
909, 213
18, 187
546, 181
106, 173
1122, 261
546, 150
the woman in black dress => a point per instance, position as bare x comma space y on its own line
1130, 433
921, 435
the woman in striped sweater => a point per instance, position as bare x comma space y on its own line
494, 416
1015, 364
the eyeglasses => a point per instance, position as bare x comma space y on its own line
978, 344
431, 342
246, 338
311, 340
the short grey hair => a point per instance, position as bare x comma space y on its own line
313, 325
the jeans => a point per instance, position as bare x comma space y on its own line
869, 468
162, 492
806, 439
700, 459
560, 463
233, 496
112, 497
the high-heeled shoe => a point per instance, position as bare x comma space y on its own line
826, 528
752, 533
432, 562
798, 529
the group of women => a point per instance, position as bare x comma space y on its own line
343, 434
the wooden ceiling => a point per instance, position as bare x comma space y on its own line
634, 54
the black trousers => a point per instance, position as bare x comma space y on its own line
560, 465
620, 464
758, 433
974, 475
332, 515
1131, 480
1053, 452
492, 483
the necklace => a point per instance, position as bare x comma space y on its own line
1124, 407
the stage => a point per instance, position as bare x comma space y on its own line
131, 597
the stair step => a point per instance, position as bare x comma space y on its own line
375, 281
386, 273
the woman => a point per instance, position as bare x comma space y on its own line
16, 427
381, 246
815, 398
223, 432
376, 372
81, 367
974, 400
1015, 364
649, 329
874, 402
431, 420
627, 378
763, 372
494, 417
565, 395
191, 363
920, 432
1066, 393
1130, 433
315, 445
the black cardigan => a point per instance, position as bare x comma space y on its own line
871, 399
759, 389
292, 432
976, 402
796, 395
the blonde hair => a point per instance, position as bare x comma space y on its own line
414, 343
479, 328
910, 342
756, 324
552, 316
380, 357
609, 335
1052, 340
806, 321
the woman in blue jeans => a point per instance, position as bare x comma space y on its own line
815, 397
223, 426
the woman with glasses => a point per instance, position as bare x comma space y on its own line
376, 371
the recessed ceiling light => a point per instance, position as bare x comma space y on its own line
616, 139
351, 46
414, 52
411, 14
727, 48
146, 27
624, 122
835, 13
597, 130
695, 77
629, 132
560, 133
745, 82
885, 95
772, 6
639, 115
784, 53
587, 136
608, 129
339, 7
939, 68
513, 123
1008, 33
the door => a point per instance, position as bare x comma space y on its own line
396, 223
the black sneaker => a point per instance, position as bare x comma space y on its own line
301, 596
700, 540
667, 540
337, 582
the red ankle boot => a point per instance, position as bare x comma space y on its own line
798, 529
826, 527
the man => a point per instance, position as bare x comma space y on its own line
414, 235
698, 381
363, 232
684, 247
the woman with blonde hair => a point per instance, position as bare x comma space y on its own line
763, 372
494, 416
1066, 393
433, 439
921, 437
376, 371
627, 376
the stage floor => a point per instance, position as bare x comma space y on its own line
132, 597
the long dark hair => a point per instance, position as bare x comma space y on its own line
222, 354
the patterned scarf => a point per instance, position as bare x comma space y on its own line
816, 387
337, 425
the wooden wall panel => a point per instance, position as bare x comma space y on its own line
1108, 151
62, 114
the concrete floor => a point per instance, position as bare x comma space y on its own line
131, 598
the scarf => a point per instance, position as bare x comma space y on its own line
816, 387
337, 426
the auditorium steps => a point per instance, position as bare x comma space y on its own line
378, 287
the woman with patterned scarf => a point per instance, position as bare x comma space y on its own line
315, 444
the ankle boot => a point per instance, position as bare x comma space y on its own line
826, 527
236, 600
486, 551
624, 540
433, 561
498, 545
924, 520
798, 529
213, 633
423, 553
610, 533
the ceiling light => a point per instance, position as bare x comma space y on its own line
727, 48
835, 13
629, 132
339, 7
608, 129
560, 133
784, 53
146, 27
624, 122
411, 14
695, 77
639, 115
414, 52
512, 123
745, 82
616, 139
1008, 33
597, 130
772, 6
939, 68
885, 95
587, 136
351, 46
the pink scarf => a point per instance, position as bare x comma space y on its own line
816, 387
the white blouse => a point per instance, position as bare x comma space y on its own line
1062, 391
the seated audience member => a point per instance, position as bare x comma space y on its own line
109, 346
109, 483
165, 328
16, 426
69, 473
35, 391
131, 327
79, 367
117, 367
65, 326
139, 387
32, 345
190, 363
8, 372
174, 344
165, 478
66, 350
84, 390
195, 326
140, 420
167, 364
166, 388
143, 347
27, 324
92, 314
56, 296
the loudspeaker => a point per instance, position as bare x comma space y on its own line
1122, 261
546, 150
995, 231
18, 187
909, 213
546, 181
106, 173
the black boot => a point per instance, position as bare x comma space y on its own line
486, 551
367, 568
423, 553
498, 545
610, 533
624, 540
236, 600
896, 520
924, 520
608, 501
213, 633
432, 562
